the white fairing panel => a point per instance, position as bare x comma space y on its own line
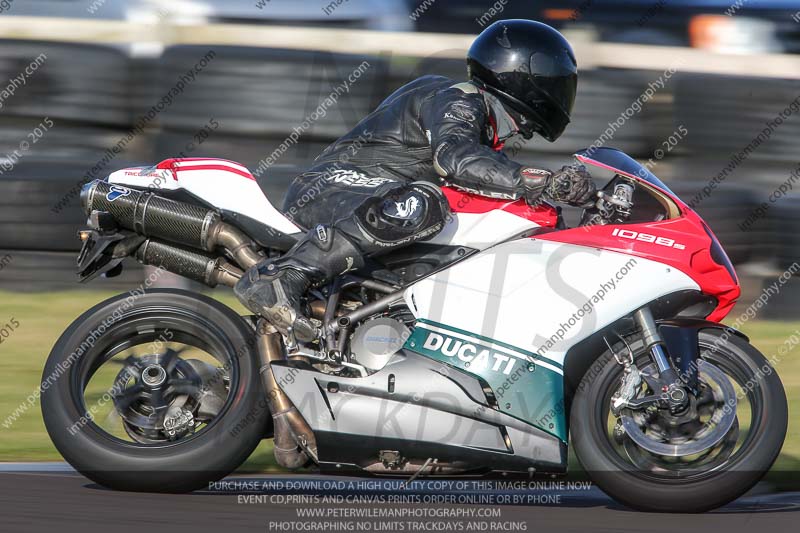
223, 184
542, 296
482, 230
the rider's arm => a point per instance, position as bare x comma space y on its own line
456, 119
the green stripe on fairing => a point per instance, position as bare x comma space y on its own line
493, 341
535, 397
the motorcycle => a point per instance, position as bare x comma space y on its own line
481, 351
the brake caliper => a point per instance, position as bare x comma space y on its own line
631, 379
178, 422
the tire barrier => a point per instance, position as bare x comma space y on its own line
39, 208
726, 114
785, 214
66, 81
723, 212
271, 92
257, 98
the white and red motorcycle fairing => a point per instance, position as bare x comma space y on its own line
483, 350
532, 292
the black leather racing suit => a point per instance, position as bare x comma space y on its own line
377, 183
376, 189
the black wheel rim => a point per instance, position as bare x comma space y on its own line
171, 328
703, 466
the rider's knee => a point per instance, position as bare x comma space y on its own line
408, 213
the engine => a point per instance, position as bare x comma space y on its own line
375, 341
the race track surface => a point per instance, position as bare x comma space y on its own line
53, 498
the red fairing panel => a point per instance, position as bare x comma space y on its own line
681, 243
463, 202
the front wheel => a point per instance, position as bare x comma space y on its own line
686, 477
157, 392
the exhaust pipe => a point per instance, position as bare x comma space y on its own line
154, 216
295, 443
206, 269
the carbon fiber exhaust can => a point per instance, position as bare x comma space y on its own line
151, 215
188, 263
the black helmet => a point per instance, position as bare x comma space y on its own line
532, 70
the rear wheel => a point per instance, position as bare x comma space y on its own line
689, 474
157, 392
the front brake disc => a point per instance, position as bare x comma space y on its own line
710, 434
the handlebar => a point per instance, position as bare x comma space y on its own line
611, 208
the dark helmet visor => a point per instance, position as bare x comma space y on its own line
546, 102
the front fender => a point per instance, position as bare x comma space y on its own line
681, 339
699, 323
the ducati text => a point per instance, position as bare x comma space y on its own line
477, 357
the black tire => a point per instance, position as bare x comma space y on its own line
179, 466
786, 223
698, 493
723, 211
257, 91
86, 83
703, 104
39, 205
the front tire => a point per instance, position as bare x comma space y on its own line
689, 491
145, 462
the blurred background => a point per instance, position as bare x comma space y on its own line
705, 92
96, 68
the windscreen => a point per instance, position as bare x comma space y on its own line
621, 163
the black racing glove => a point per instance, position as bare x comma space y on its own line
534, 182
571, 185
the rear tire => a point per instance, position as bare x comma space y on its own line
699, 493
171, 466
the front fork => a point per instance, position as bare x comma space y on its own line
655, 344
674, 390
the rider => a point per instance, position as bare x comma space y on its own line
376, 188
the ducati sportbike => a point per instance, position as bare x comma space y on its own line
479, 352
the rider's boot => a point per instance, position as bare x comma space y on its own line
273, 287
